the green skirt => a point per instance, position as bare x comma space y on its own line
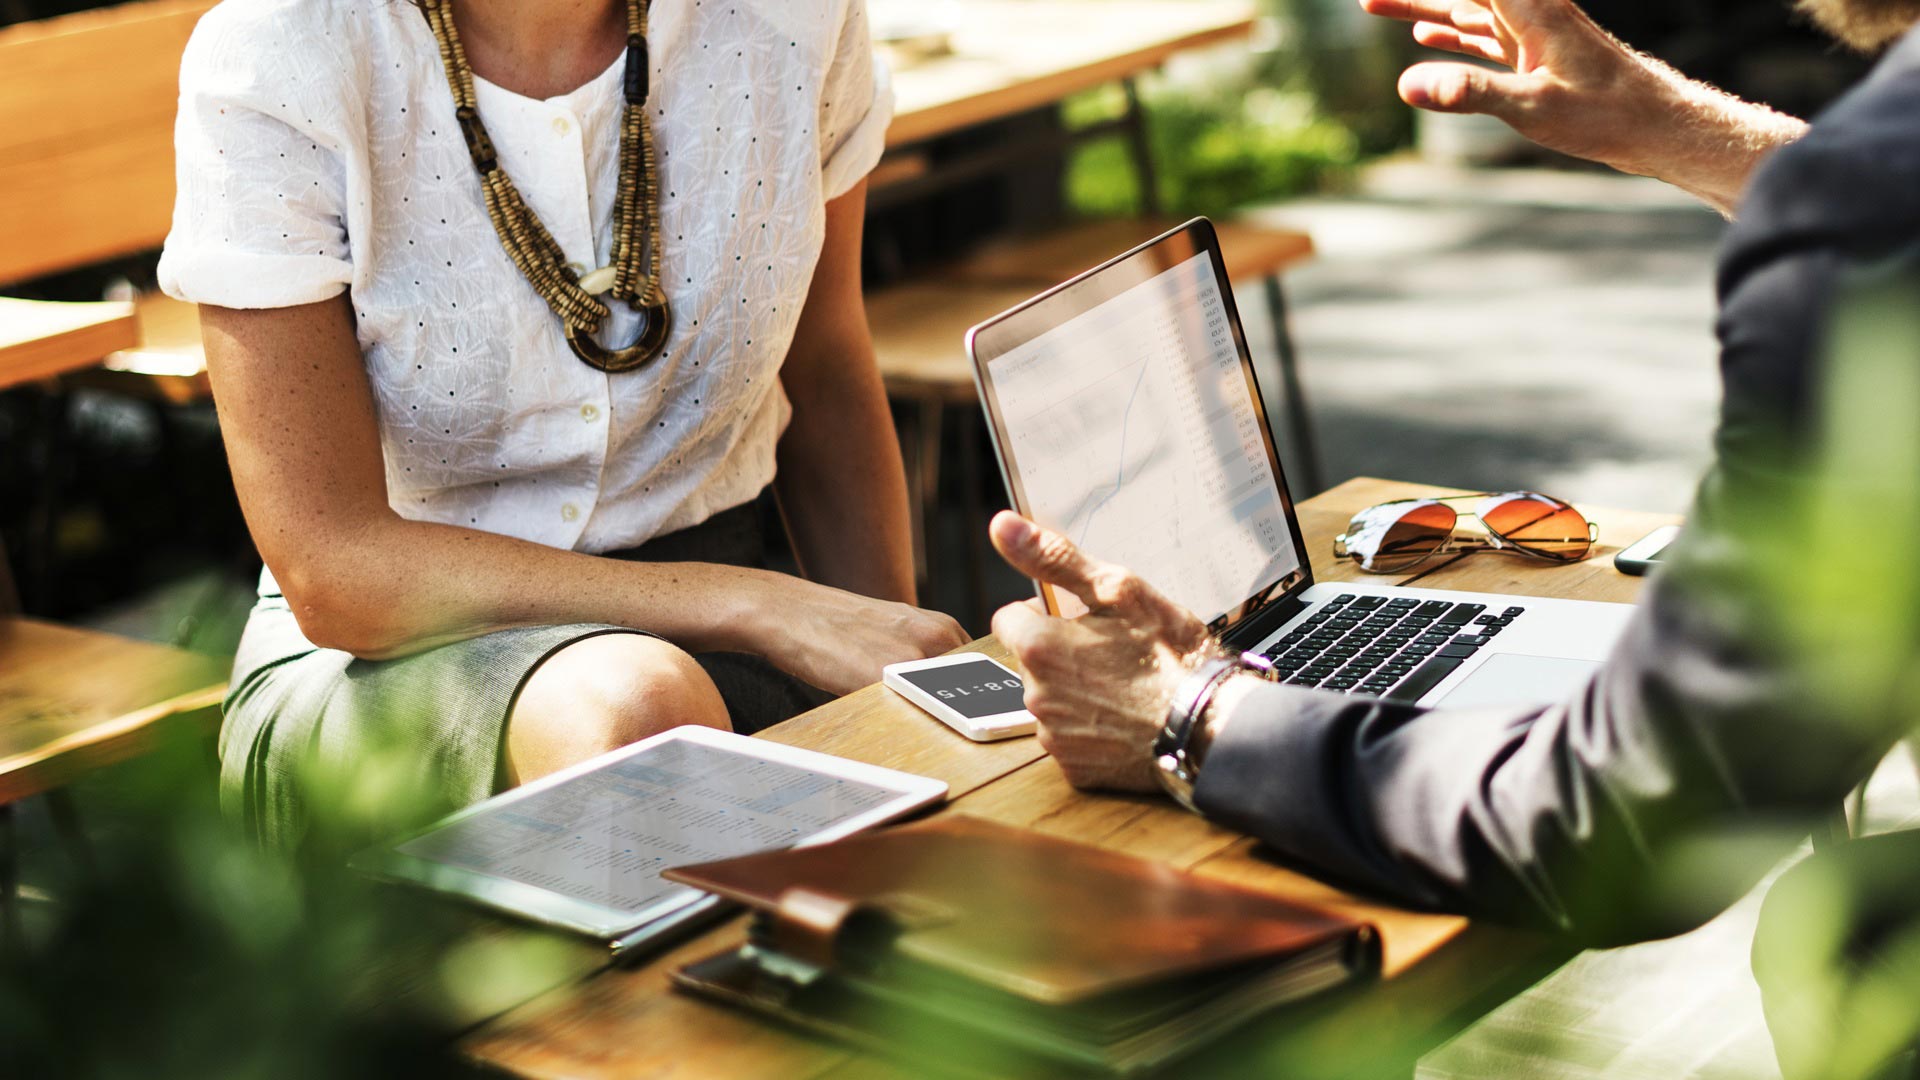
297, 711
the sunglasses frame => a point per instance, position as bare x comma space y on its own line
1455, 544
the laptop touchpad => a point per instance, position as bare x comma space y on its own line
1515, 679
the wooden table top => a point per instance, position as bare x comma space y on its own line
41, 340
1010, 56
1440, 971
73, 700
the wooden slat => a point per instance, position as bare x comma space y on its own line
1011, 56
626, 1022
40, 339
919, 330
898, 169
73, 700
86, 134
169, 340
1252, 252
169, 364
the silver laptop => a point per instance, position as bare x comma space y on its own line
1125, 415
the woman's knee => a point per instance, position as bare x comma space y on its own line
602, 693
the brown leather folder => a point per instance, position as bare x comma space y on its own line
960, 931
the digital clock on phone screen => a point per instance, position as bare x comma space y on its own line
973, 689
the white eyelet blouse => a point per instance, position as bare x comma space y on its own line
318, 152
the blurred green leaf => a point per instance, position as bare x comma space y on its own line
179, 947
1213, 150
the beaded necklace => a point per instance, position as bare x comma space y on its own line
577, 299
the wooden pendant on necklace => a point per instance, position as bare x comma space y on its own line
656, 324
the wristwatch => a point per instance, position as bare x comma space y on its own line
1173, 762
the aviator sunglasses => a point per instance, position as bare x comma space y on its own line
1394, 537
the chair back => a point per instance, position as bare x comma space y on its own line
87, 103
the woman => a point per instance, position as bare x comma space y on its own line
491, 290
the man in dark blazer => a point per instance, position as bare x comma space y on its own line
1718, 736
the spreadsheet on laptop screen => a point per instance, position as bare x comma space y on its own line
1133, 430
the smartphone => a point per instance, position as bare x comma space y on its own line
1641, 556
978, 697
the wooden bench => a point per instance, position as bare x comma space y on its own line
1253, 252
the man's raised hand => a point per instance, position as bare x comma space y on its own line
1572, 87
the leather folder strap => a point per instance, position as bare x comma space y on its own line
823, 930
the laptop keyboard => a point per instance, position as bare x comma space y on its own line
1396, 648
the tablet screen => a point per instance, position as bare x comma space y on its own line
602, 836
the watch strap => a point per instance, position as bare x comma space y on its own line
1173, 767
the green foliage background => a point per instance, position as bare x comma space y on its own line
1299, 118
1214, 150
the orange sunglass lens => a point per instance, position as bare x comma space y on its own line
1540, 525
1414, 534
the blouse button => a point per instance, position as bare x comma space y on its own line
569, 512
589, 413
562, 126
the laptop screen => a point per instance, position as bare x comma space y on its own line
1127, 418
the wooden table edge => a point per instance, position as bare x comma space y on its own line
52, 764
943, 118
109, 326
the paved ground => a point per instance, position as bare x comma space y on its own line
1512, 328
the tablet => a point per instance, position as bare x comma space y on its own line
583, 849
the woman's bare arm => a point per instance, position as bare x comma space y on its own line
298, 417
842, 488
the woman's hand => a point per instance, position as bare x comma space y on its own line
1574, 88
838, 640
1099, 685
